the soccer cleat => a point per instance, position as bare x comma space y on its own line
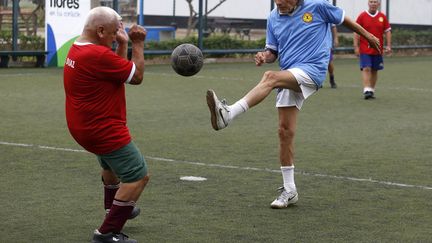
333, 85
368, 95
135, 212
285, 198
219, 111
111, 238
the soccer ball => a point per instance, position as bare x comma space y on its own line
187, 59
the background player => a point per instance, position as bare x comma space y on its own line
371, 60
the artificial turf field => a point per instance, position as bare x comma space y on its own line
364, 167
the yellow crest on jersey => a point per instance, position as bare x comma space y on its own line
381, 19
307, 17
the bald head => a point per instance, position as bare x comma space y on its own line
101, 16
101, 26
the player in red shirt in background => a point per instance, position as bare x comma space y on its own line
371, 60
94, 82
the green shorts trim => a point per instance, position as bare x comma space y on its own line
127, 163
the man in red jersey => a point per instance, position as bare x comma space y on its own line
371, 60
94, 82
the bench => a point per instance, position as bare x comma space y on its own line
241, 27
6, 55
27, 20
159, 33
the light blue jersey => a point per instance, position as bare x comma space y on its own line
303, 39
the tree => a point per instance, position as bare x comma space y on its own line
193, 19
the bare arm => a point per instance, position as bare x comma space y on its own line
373, 41
122, 50
137, 36
122, 41
356, 40
335, 36
388, 48
265, 57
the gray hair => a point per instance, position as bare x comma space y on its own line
101, 15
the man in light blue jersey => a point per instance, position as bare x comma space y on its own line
298, 33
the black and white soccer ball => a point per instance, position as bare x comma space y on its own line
187, 59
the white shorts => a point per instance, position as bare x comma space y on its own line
288, 98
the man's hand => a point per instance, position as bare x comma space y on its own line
122, 37
357, 51
260, 58
265, 57
388, 50
374, 43
137, 33
122, 41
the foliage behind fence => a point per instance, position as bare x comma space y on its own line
399, 37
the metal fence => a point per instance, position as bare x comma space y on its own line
16, 14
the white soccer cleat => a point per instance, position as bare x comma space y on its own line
219, 112
285, 198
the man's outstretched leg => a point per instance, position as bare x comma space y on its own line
222, 114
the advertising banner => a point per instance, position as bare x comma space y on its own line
64, 21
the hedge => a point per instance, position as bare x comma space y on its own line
399, 37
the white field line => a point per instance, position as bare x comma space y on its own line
346, 178
354, 86
21, 74
235, 79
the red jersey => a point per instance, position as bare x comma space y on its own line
94, 78
377, 25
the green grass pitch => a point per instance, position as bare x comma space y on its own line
363, 166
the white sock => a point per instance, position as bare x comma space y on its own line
368, 89
288, 178
238, 108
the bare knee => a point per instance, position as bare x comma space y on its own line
143, 181
286, 134
146, 178
131, 191
269, 78
109, 178
367, 69
139, 184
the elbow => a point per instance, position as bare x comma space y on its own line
137, 78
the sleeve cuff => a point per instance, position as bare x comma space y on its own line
131, 73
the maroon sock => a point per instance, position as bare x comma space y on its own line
109, 194
117, 217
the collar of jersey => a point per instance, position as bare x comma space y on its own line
297, 7
372, 15
82, 43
